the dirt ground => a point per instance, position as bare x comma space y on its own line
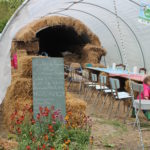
110, 133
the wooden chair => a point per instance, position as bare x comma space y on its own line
142, 71
121, 66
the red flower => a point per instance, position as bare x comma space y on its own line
18, 122
28, 147
12, 117
38, 116
52, 148
30, 133
31, 110
46, 137
46, 110
33, 121
21, 118
45, 114
41, 109
50, 127
44, 146
53, 116
52, 107
19, 131
33, 139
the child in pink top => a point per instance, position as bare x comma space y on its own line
146, 94
146, 89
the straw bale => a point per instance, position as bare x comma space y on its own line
6, 144
98, 49
68, 59
32, 46
21, 53
74, 104
77, 108
75, 65
28, 33
92, 53
25, 66
15, 105
38, 24
20, 87
127, 88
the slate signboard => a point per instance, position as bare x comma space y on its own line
48, 84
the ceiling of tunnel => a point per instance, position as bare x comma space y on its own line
99, 16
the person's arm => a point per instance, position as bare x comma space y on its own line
146, 91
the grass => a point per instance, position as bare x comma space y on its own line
7, 8
120, 128
4, 14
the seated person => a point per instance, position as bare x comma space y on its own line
146, 94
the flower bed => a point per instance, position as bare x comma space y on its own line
49, 131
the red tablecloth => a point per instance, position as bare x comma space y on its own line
135, 77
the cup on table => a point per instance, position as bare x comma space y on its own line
114, 66
135, 70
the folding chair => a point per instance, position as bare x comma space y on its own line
74, 76
85, 80
91, 86
102, 90
138, 105
117, 96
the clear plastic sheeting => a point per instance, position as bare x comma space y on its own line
99, 16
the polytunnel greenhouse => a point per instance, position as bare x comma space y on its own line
96, 36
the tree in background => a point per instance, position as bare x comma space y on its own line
7, 8
14, 4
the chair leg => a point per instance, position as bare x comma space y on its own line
117, 108
111, 107
97, 98
87, 93
103, 104
124, 107
80, 88
110, 103
69, 84
127, 114
93, 90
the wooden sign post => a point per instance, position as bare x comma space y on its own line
48, 84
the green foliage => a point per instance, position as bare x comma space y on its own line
14, 4
7, 8
79, 138
48, 131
